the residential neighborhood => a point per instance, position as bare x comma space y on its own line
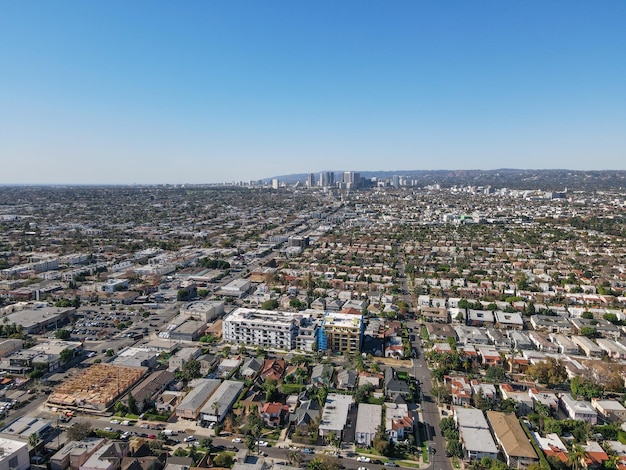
443, 327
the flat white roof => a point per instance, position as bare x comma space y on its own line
335, 413
368, 418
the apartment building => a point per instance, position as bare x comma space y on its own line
263, 328
341, 332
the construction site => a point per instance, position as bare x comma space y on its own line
97, 388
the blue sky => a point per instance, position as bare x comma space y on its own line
210, 91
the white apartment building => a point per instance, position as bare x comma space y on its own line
263, 328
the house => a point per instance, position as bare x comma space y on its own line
486, 390
74, 453
306, 414
167, 401
435, 314
587, 346
489, 356
479, 318
595, 455
551, 324
321, 375
399, 423
470, 335
250, 367
107, 457
512, 439
395, 387
273, 414
546, 398
460, 389
524, 402
273, 369
440, 332
509, 321
346, 379
551, 446
207, 363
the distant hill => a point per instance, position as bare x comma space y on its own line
501, 178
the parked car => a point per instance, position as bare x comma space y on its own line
307, 451
391, 464
362, 458
115, 421
189, 439
237, 440
262, 443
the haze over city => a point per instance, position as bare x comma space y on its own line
206, 92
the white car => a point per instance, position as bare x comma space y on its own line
115, 421
189, 439
108, 429
262, 443
361, 458
237, 440
362, 468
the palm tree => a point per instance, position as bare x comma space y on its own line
576, 456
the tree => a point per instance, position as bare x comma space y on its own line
120, 407
381, 442
191, 369
271, 390
271, 304
551, 372
294, 457
66, 355
332, 439
363, 392
33, 440
454, 448
589, 331
583, 387
575, 457
132, 403
207, 443
495, 374
79, 431
62, 334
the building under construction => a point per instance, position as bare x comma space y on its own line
97, 388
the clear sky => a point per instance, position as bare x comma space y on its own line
209, 91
